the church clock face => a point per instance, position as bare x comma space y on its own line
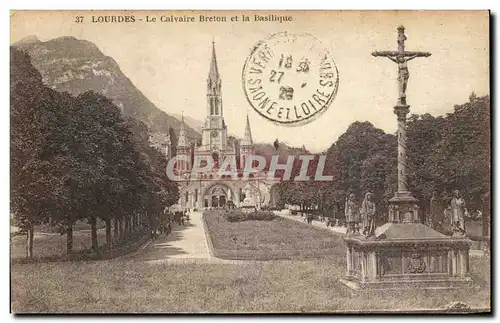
214, 134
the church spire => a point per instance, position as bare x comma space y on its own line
182, 134
247, 139
213, 74
214, 96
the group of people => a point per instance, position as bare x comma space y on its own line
358, 219
164, 223
162, 228
181, 217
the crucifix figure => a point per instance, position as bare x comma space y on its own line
401, 57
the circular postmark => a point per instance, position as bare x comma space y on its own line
290, 79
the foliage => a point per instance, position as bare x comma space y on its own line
76, 158
239, 216
452, 152
444, 153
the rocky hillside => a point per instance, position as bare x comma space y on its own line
75, 65
192, 122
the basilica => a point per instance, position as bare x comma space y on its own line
207, 191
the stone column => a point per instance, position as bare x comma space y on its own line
452, 262
463, 263
372, 265
404, 204
362, 258
200, 197
238, 197
349, 261
402, 111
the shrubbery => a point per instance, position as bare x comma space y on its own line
270, 208
238, 216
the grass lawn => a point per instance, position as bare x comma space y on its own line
47, 244
281, 286
266, 240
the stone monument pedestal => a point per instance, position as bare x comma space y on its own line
247, 205
406, 255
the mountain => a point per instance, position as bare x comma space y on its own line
191, 122
283, 149
76, 66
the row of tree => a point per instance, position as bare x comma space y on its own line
78, 158
445, 153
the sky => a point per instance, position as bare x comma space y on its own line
169, 62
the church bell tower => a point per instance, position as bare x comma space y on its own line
214, 129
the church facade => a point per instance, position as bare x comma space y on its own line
207, 191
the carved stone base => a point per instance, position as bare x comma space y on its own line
403, 208
403, 197
407, 255
421, 284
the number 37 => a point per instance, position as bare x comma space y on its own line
79, 19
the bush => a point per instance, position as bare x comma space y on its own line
293, 212
238, 216
270, 208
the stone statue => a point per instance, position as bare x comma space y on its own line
435, 213
352, 214
457, 214
403, 75
401, 57
368, 215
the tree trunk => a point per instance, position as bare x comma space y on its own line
127, 229
115, 235
69, 237
120, 227
109, 241
29, 241
93, 228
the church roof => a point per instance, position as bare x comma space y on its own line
406, 231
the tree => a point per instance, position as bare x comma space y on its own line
37, 189
78, 158
451, 152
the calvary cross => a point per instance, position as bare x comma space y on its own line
401, 57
